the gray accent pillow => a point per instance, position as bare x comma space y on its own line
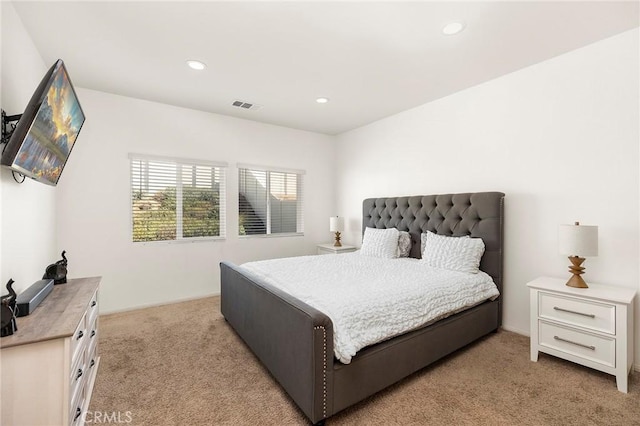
404, 244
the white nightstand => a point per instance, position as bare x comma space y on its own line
589, 326
331, 249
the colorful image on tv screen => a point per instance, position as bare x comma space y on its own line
44, 151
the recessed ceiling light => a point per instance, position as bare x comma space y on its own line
196, 65
452, 28
322, 100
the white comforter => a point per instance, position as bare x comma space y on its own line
370, 299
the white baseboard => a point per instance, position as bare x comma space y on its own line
516, 330
153, 305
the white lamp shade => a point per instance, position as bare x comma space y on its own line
336, 224
578, 240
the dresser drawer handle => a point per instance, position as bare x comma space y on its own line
593, 348
93, 362
93, 333
555, 308
78, 412
93, 303
79, 373
80, 334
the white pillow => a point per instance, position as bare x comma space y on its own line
404, 244
380, 243
454, 253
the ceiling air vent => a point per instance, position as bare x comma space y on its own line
246, 105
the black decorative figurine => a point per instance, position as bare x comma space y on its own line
57, 271
8, 312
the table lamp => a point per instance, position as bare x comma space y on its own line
336, 224
577, 241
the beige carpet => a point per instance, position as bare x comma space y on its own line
181, 364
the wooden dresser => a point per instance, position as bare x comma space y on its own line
50, 364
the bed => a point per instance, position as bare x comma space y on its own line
295, 341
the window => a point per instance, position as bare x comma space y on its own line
270, 201
174, 199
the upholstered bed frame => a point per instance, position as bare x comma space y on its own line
295, 341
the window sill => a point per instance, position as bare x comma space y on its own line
289, 234
181, 241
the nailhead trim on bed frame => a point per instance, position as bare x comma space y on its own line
324, 369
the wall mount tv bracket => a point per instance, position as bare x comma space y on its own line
8, 127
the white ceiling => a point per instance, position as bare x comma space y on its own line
372, 59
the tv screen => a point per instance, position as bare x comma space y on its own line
47, 130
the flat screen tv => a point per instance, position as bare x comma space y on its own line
47, 130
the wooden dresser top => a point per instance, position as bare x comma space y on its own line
57, 316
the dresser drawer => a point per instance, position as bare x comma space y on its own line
92, 362
79, 338
76, 417
75, 409
92, 353
589, 315
92, 310
77, 371
76, 388
92, 335
574, 342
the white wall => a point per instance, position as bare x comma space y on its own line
560, 138
27, 212
93, 196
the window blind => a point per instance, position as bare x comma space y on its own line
270, 202
176, 199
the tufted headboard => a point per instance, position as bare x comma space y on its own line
478, 214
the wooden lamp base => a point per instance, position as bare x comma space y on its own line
576, 269
337, 243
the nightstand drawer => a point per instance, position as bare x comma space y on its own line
78, 338
590, 315
583, 345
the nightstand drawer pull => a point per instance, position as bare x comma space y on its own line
593, 348
555, 308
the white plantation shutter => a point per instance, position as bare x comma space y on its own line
270, 201
176, 199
